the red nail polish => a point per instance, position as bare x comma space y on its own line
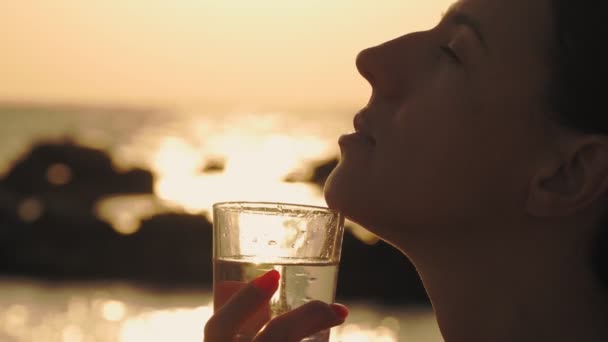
268, 282
340, 310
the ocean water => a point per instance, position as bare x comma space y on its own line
113, 312
258, 150
260, 146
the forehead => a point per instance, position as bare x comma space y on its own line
505, 23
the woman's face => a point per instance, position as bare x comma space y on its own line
455, 125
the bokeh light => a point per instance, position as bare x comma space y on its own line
113, 310
30, 209
59, 174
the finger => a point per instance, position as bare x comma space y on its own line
226, 321
304, 321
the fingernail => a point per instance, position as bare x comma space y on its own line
340, 310
268, 282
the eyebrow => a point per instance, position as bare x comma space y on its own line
460, 18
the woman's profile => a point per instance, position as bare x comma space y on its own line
482, 155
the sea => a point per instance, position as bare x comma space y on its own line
257, 150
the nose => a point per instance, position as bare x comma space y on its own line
365, 62
382, 66
379, 65
393, 67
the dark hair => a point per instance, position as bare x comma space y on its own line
577, 90
579, 62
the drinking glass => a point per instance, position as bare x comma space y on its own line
303, 243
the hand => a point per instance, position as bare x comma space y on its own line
250, 304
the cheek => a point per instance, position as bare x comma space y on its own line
435, 170
435, 166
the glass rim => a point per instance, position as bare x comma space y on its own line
253, 205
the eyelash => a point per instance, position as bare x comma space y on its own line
450, 53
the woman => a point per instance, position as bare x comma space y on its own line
482, 156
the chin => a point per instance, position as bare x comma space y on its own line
352, 193
336, 189
346, 191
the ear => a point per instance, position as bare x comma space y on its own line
572, 181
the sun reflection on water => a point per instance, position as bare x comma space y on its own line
125, 213
258, 152
185, 324
254, 169
166, 325
32, 311
113, 310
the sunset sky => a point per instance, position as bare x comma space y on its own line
197, 52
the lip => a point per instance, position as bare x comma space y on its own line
361, 126
356, 138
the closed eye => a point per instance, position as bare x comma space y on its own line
450, 53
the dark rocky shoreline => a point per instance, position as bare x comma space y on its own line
48, 230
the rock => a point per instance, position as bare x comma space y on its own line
66, 169
214, 166
48, 229
377, 272
169, 250
318, 175
175, 250
172, 248
55, 246
322, 171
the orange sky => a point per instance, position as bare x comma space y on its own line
197, 52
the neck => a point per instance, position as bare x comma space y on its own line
520, 287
